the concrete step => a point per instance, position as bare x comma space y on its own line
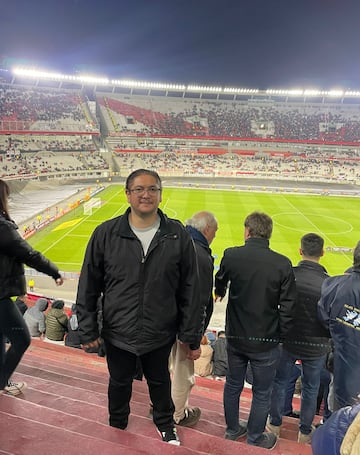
64, 410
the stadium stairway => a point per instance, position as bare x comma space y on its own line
64, 411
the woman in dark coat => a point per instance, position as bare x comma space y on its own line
14, 253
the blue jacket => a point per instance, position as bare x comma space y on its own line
339, 311
327, 438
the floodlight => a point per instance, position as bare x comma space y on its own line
352, 93
312, 92
335, 93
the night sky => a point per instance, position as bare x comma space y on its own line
253, 43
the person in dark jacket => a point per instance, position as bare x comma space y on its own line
202, 227
220, 361
73, 336
14, 252
340, 434
309, 341
339, 311
258, 316
21, 303
143, 265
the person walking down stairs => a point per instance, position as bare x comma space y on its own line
14, 253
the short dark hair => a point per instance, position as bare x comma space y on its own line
357, 255
59, 304
139, 172
312, 245
259, 224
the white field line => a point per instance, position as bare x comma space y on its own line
314, 225
119, 210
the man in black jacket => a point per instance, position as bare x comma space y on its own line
202, 227
143, 266
309, 341
258, 317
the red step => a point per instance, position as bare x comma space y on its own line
67, 399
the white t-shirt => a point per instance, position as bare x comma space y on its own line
146, 235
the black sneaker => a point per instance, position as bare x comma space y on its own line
191, 417
294, 414
266, 441
242, 431
170, 436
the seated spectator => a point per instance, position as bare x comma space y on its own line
203, 365
340, 434
35, 318
72, 338
220, 362
56, 322
211, 337
20, 302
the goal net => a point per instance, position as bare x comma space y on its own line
89, 206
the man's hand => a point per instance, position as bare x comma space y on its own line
187, 353
193, 354
218, 298
59, 281
92, 344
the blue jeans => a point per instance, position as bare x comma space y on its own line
324, 393
263, 367
14, 329
290, 389
310, 383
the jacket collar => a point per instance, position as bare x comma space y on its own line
197, 236
9, 222
126, 231
256, 241
312, 265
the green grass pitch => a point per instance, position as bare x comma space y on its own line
335, 218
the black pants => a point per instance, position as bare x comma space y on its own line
14, 329
122, 369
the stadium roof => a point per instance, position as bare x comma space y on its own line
102, 82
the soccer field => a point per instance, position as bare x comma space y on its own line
335, 218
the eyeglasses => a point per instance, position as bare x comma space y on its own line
152, 190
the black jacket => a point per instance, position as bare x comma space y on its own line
146, 301
14, 252
309, 338
206, 272
261, 295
